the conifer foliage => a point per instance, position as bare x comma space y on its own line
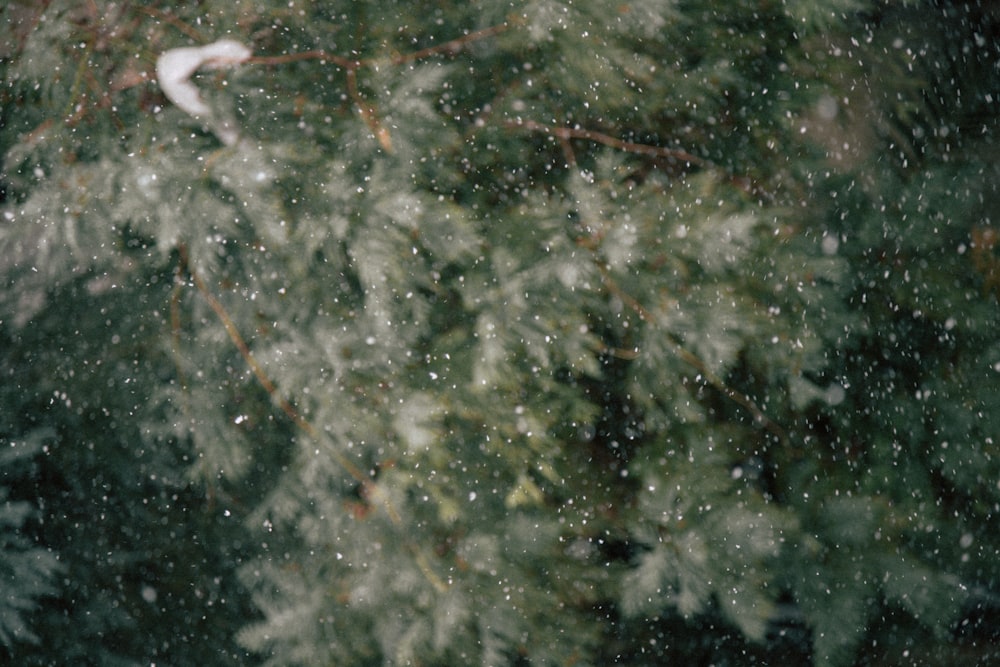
534, 332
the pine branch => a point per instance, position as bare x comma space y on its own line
262, 377
691, 359
564, 135
369, 486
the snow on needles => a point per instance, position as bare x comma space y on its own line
175, 67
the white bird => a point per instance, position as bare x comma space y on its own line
175, 67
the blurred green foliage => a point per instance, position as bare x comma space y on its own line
527, 333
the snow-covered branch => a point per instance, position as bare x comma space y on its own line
175, 67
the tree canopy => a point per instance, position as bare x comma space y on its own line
533, 332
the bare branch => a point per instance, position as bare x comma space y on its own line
567, 133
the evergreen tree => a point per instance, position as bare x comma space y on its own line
526, 333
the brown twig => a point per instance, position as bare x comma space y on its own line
370, 488
316, 54
368, 112
567, 148
351, 66
262, 378
565, 135
451, 47
23, 27
568, 133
